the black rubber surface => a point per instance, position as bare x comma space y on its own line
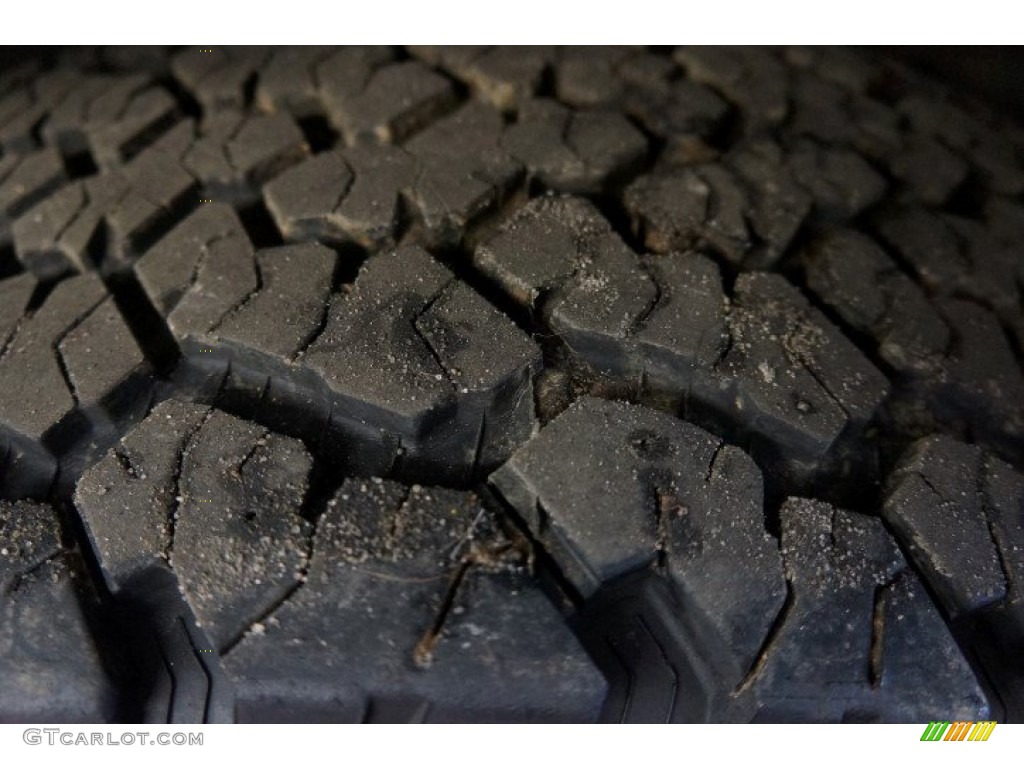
508, 384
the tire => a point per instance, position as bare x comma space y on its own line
487, 384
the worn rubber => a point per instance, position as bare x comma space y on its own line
508, 384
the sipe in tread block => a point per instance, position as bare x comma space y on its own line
685, 115
750, 206
214, 498
288, 82
396, 100
440, 183
397, 602
406, 367
890, 659
951, 353
581, 152
105, 221
231, 154
752, 78
22, 109
504, 76
959, 513
956, 257
424, 612
70, 373
24, 181
109, 117
217, 77
748, 622
670, 476
766, 364
813, 255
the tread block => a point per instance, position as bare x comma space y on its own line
126, 496
951, 255
959, 514
57, 235
640, 488
220, 501
415, 366
288, 81
1004, 507
748, 208
752, 78
945, 501
978, 137
344, 74
424, 611
394, 101
851, 274
464, 173
51, 666
690, 207
200, 271
405, 321
859, 635
645, 86
62, 364
574, 151
415, 592
777, 204
537, 249
22, 109
239, 544
959, 257
766, 361
104, 221
217, 77
233, 154
347, 196
110, 117
674, 110
984, 383
780, 342
841, 183
144, 118
282, 315
505, 76
959, 362
157, 190
446, 178
931, 170
24, 181
589, 75
834, 113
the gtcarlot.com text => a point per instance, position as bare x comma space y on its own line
73, 738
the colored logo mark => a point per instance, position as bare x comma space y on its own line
958, 731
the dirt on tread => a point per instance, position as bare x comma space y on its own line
484, 383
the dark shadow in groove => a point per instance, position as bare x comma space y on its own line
9, 264
176, 669
319, 133
259, 225
79, 165
145, 323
